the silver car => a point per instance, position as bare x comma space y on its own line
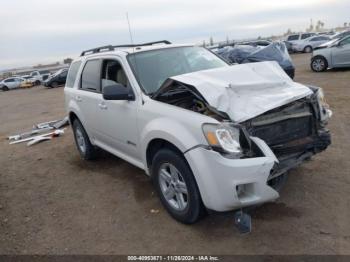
333, 54
308, 44
11, 83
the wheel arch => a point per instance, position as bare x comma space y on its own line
155, 145
167, 132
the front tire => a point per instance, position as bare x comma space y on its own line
37, 82
5, 88
318, 64
176, 186
86, 149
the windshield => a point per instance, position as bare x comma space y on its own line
152, 68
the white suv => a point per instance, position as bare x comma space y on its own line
211, 136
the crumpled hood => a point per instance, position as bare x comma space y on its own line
246, 90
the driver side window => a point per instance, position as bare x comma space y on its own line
113, 73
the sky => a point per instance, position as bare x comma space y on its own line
38, 31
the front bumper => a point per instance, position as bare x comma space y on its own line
227, 184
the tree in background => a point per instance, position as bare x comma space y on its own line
68, 60
319, 25
311, 27
211, 41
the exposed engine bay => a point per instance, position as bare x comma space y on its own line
294, 132
184, 96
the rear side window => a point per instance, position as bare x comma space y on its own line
72, 75
304, 36
316, 39
91, 76
293, 37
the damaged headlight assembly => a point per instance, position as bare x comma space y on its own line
325, 112
223, 138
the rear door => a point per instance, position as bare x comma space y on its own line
87, 95
341, 53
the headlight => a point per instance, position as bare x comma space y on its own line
223, 138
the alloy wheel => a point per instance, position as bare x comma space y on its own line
80, 140
173, 187
318, 64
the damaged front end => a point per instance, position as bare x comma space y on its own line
294, 131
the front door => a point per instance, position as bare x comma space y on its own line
117, 119
341, 53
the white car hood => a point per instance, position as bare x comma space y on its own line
246, 90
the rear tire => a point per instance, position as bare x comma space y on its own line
308, 49
318, 64
176, 186
37, 82
86, 149
54, 85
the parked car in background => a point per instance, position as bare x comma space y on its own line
38, 76
276, 51
11, 83
342, 34
298, 37
333, 54
256, 43
57, 79
308, 44
30, 79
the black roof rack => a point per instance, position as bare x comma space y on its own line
113, 47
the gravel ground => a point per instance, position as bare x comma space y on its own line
52, 202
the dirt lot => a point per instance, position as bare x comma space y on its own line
52, 202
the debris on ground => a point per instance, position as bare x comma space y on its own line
38, 133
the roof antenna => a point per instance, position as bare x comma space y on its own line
133, 49
131, 39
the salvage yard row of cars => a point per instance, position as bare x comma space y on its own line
35, 78
327, 52
306, 42
210, 134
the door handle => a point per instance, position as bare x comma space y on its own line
102, 105
78, 99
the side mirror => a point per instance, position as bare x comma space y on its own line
117, 92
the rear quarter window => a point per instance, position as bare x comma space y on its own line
72, 74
